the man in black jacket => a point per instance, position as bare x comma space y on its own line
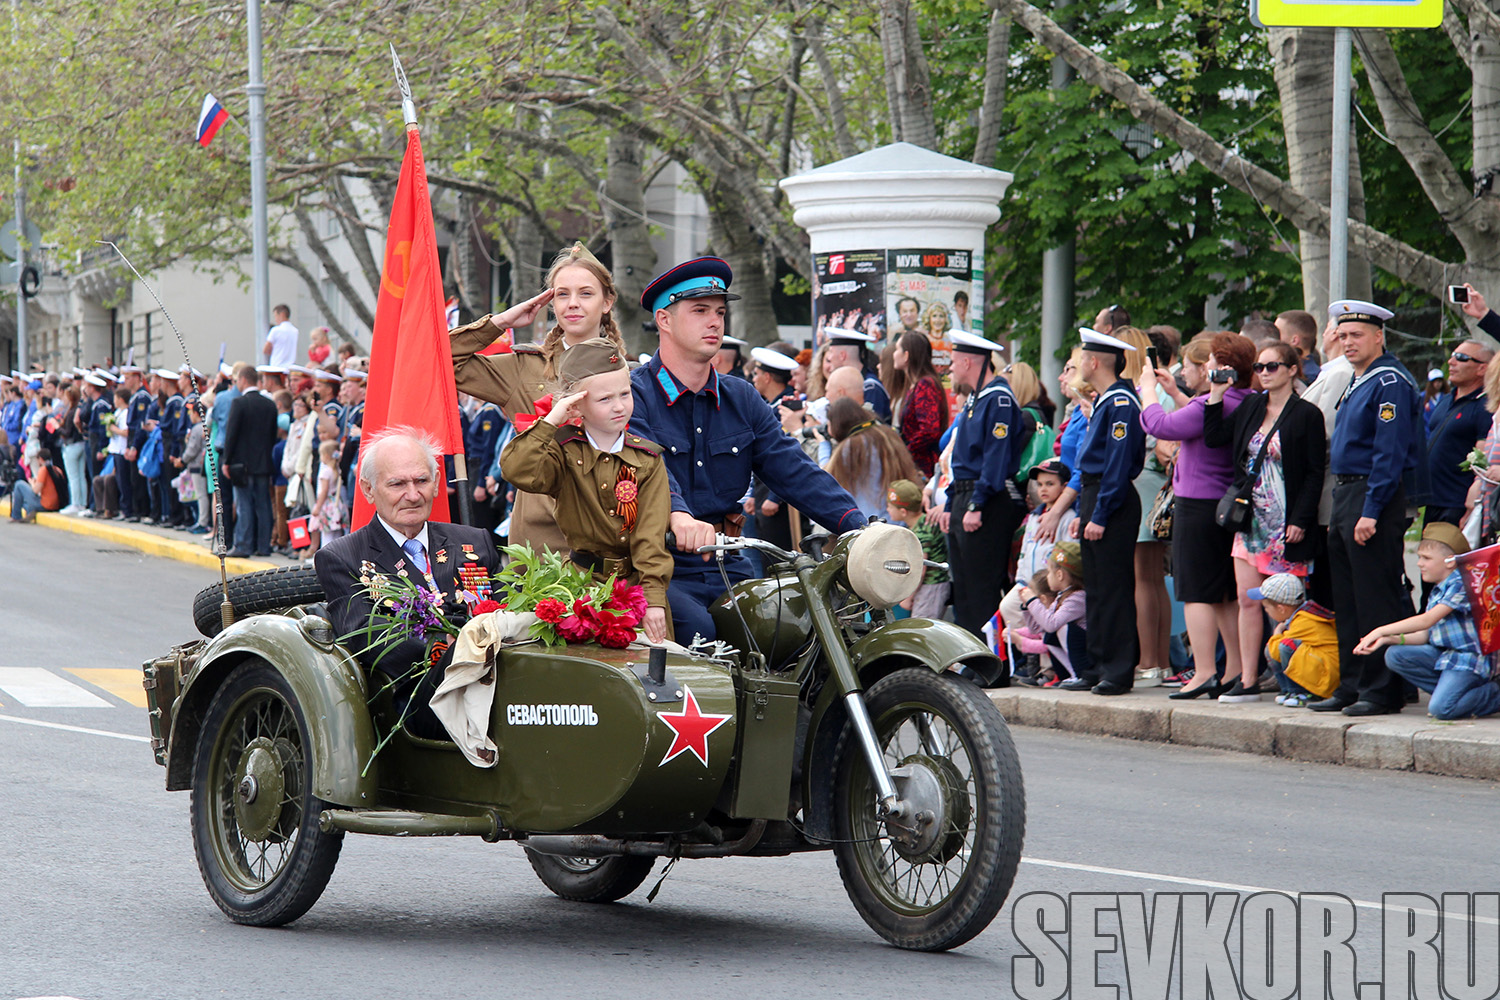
398, 474
249, 436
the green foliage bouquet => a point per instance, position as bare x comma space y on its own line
569, 605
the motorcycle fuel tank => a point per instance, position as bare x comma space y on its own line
774, 609
583, 747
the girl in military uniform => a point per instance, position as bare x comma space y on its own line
582, 294
610, 486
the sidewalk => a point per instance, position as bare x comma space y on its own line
1408, 741
154, 541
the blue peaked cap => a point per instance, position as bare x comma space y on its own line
698, 278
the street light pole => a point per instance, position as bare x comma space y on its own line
1338, 187
22, 348
256, 91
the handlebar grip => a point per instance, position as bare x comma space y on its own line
671, 540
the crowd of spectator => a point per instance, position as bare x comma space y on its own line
1228, 607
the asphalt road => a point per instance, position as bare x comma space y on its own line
100, 897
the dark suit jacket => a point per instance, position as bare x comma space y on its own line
1304, 450
250, 433
338, 566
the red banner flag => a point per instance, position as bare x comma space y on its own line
411, 366
1480, 571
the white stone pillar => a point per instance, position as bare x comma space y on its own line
896, 222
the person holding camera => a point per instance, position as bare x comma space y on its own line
1278, 446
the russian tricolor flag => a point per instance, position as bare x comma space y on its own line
210, 119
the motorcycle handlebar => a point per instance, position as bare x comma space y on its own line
724, 543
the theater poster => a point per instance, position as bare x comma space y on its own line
849, 291
933, 291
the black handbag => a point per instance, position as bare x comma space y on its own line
1234, 509
1159, 517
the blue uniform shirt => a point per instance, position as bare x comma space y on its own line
98, 432
480, 441
137, 414
987, 445
10, 419
878, 399
1378, 432
1114, 447
1455, 427
712, 441
173, 426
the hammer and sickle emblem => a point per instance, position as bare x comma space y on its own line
389, 280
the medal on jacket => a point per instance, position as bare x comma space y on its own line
627, 504
475, 579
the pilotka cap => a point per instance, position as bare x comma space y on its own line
592, 357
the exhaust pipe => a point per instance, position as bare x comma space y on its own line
594, 846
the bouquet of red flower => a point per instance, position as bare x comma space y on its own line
569, 605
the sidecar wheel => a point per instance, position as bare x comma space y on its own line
591, 880
255, 818
960, 764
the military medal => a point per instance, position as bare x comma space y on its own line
469, 555
626, 493
441, 556
476, 580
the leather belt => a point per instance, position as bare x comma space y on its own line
1339, 480
598, 564
733, 525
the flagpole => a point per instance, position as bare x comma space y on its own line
256, 91
460, 461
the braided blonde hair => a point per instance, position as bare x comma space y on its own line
579, 255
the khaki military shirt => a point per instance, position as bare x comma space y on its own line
561, 463
512, 382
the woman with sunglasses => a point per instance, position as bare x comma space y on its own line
1281, 436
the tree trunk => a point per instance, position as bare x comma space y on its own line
837, 114
730, 236
1304, 76
624, 207
996, 61
906, 73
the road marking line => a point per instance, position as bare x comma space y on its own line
38, 688
75, 729
1228, 886
123, 683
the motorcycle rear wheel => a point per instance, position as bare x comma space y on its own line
949, 734
591, 880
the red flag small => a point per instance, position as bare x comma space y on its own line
411, 365
1480, 572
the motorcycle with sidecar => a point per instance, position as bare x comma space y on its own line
816, 722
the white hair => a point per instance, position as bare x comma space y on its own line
369, 455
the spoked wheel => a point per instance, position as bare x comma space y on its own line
255, 819
940, 882
591, 880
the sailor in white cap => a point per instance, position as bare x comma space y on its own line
272, 378
851, 349
1376, 460
135, 498
984, 504
773, 373
96, 407
1111, 456
730, 360
325, 390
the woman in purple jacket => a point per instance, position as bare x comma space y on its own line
1202, 570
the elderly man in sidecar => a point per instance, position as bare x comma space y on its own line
399, 474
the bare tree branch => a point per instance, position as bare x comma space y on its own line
836, 111
996, 62
331, 267
1481, 17
355, 231
291, 262
1458, 34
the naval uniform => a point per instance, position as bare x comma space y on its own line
1377, 442
481, 445
987, 449
136, 417
513, 382
1111, 456
712, 441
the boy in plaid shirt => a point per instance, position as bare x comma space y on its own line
903, 503
1438, 650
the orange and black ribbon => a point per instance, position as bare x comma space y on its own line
627, 496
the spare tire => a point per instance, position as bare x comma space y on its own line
254, 593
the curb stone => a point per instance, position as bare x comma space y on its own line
145, 541
1408, 741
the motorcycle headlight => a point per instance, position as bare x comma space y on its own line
885, 564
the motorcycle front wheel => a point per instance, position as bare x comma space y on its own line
953, 759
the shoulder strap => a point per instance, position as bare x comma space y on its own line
1265, 442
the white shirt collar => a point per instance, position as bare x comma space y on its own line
613, 449
400, 539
